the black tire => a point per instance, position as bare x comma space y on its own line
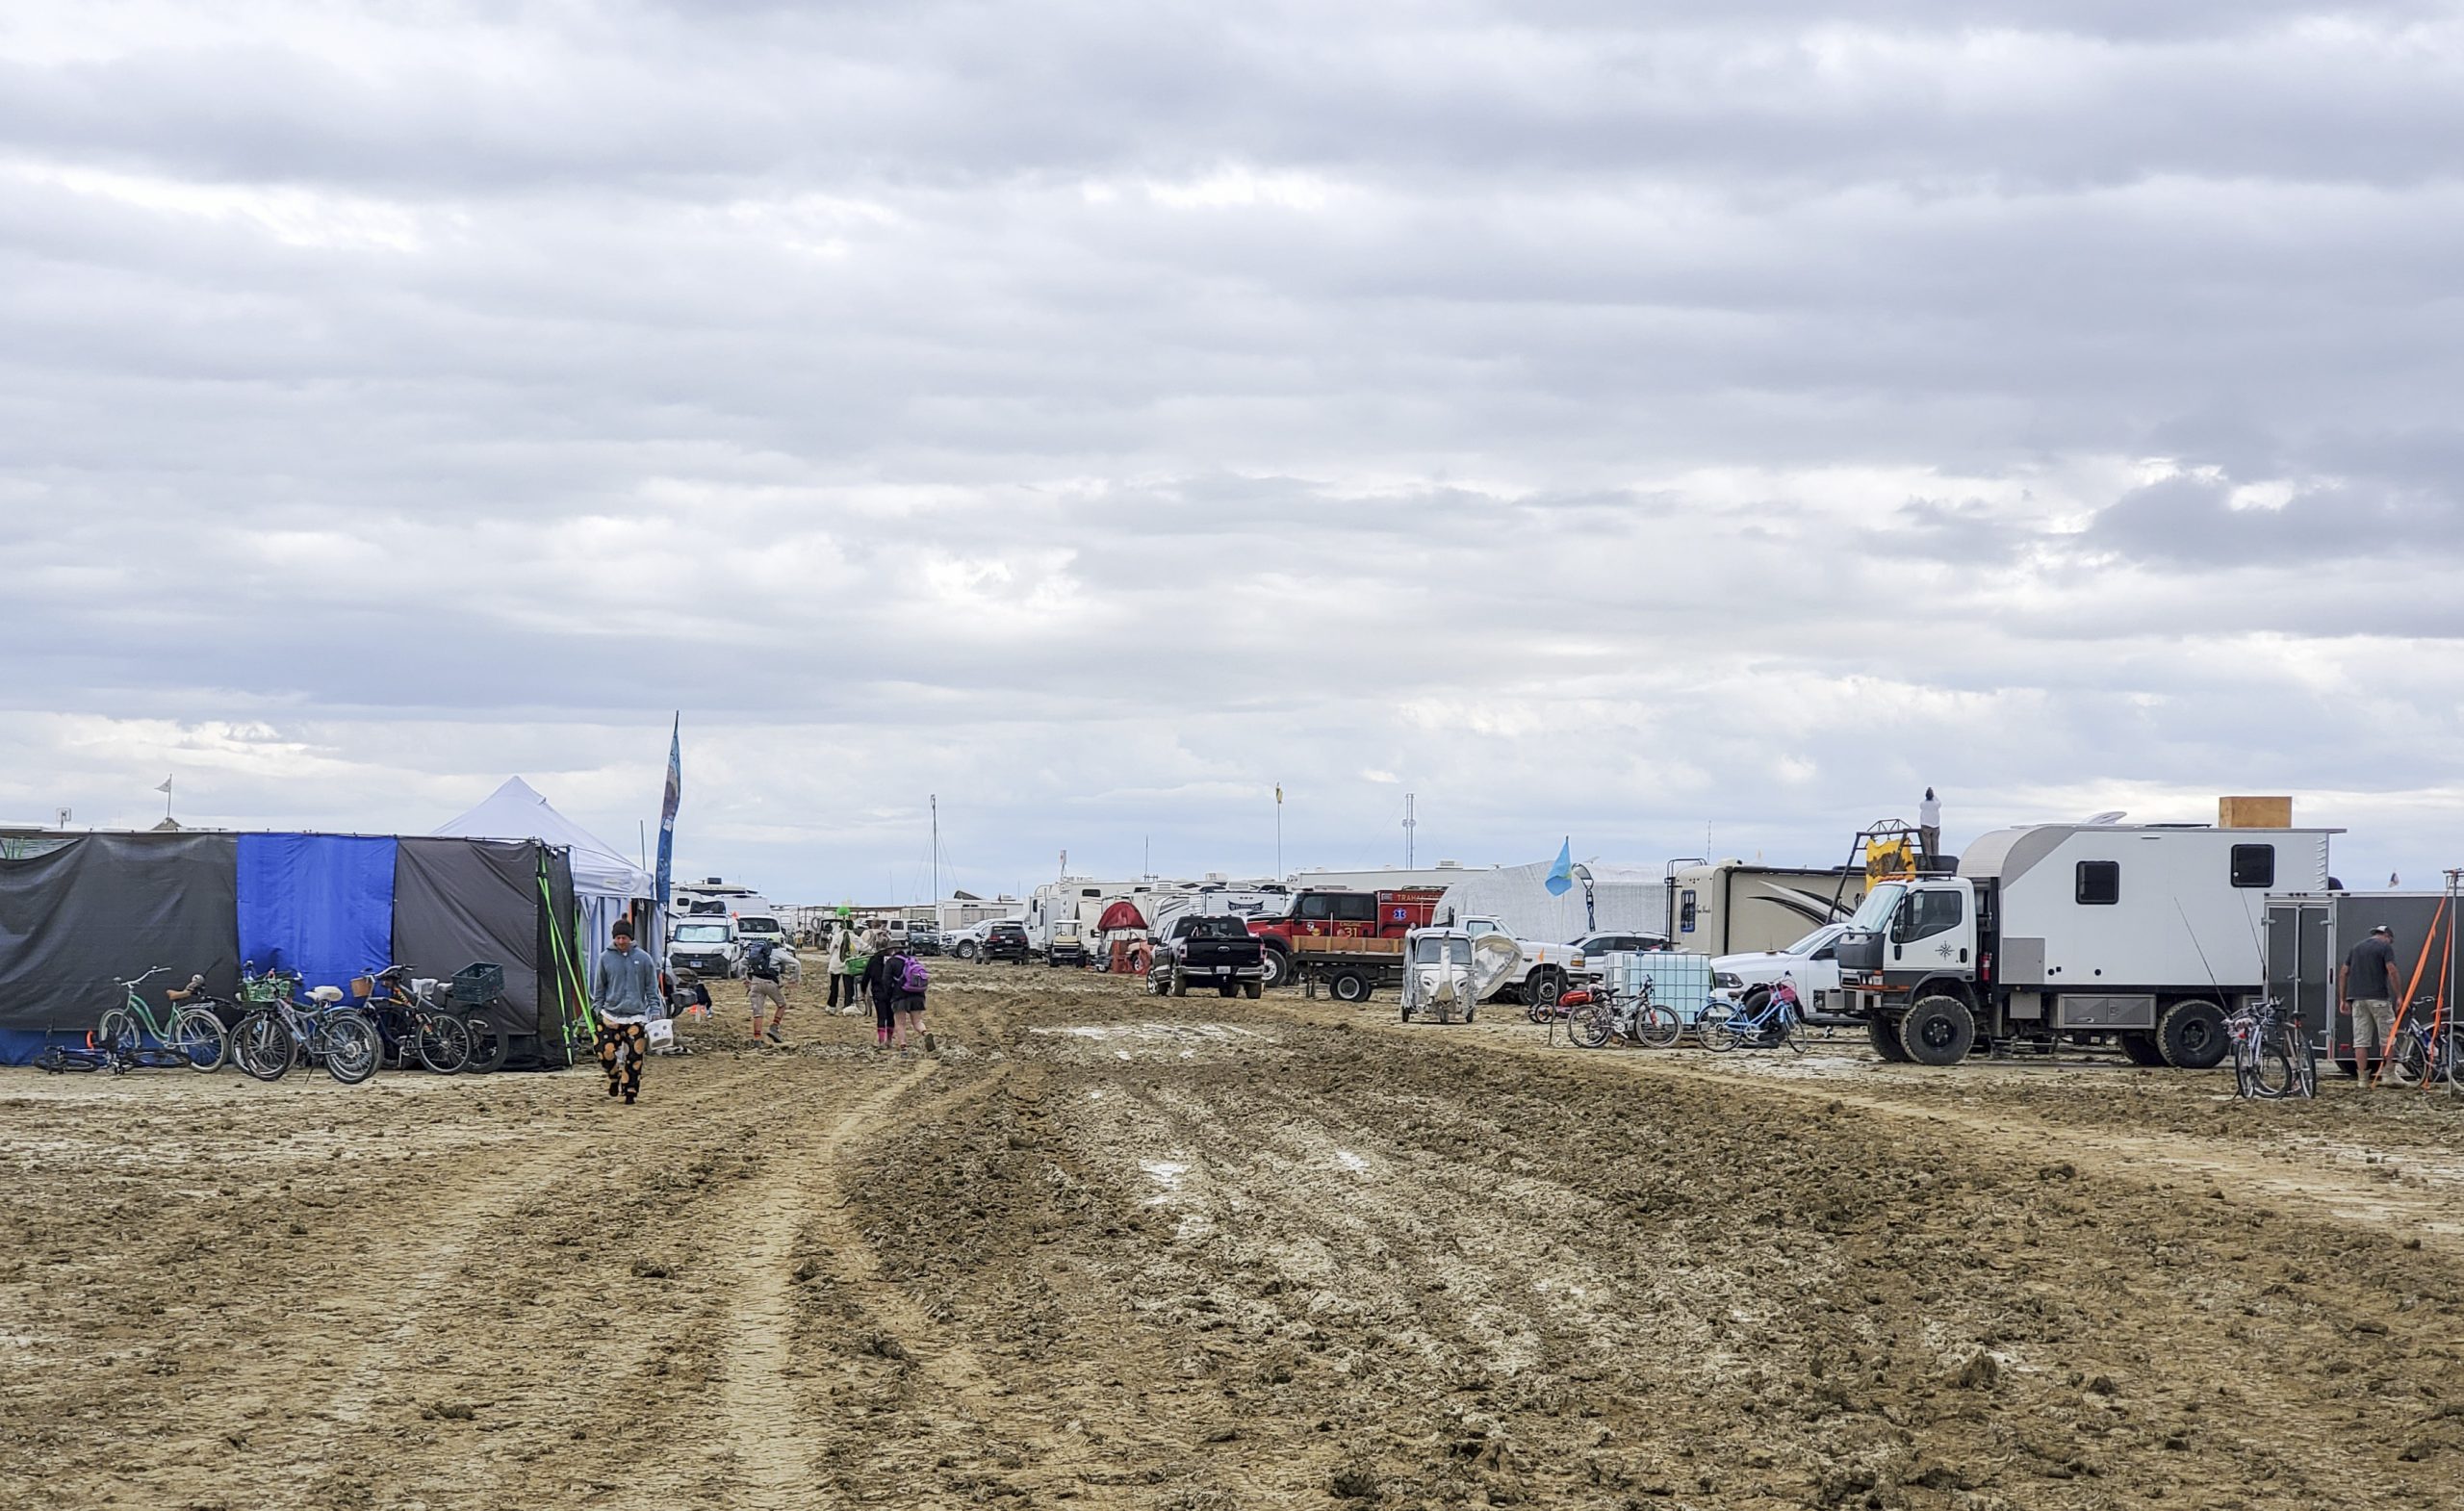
1591, 1024
198, 1034
1407, 1012
445, 1043
1937, 1030
966, 951
1883, 1034
2139, 1048
2193, 1036
1278, 965
1656, 1027
1349, 987
116, 1029
262, 1046
1226, 989
353, 1048
1180, 983
1252, 990
1158, 983
1545, 987
489, 1046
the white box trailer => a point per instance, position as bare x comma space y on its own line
2145, 936
1732, 907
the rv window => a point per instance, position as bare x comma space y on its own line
2099, 882
1090, 891
2254, 865
1685, 912
1927, 914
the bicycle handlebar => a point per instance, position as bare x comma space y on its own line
135, 980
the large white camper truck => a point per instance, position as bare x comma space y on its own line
2145, 936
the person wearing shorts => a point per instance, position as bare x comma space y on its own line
2368, 987
761, 985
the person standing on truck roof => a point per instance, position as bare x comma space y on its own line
2368, 988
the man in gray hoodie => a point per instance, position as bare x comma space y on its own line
622, 989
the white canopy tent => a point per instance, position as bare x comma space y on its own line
1625, 898
605, 885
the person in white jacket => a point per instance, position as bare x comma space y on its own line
834, 954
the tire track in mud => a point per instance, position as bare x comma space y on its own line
767, 1426
2141, 1159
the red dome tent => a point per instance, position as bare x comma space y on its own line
1123, 957
1122, 914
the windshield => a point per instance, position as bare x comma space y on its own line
759, 924
1217, 928
702, 933
1878, 906
1439, 951
1814, 940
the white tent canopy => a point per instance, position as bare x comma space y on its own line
1626, 898
605, 883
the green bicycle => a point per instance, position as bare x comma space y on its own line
193, 1035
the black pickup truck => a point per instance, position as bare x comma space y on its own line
1217, 952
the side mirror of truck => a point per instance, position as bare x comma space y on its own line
1861, 950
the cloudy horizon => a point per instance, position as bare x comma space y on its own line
1668, 426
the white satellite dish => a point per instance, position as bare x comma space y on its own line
2108, 816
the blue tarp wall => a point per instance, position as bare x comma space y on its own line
322, 905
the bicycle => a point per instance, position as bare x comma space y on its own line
1724, 1026
2272, 1056
2426, 1049
191, 1037
1600, 1011
409, 1022
279, 1032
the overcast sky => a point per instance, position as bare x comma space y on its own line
1663, 424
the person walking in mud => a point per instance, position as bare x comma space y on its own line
2367, 986
883, 978
624, 988
834, 961
761, 985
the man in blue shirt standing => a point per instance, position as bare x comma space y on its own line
622, 992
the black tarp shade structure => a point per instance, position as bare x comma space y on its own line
111, 905
106, 905
507, 903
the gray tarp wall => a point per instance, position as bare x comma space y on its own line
106, 905
461, 901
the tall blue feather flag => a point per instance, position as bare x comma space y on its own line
667, 807
1561, 876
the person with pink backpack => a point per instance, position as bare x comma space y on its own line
908, 1026
898, 982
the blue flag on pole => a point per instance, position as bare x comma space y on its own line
1561, 876
667, 806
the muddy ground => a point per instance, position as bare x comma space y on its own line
1111, 1250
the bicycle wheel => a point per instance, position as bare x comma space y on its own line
1717, 1028
262, 1046
2405, 1061
198, 1035
1657, 1028
443, 1042
351, 1047
1591, 1023
118, 1029
488, 1046
2269, 1071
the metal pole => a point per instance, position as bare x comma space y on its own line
935, 800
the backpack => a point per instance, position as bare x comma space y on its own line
757, 960
913, 978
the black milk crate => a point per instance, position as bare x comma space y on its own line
478, 985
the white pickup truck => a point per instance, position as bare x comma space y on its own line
1812, 962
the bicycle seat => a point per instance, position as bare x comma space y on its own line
325, 995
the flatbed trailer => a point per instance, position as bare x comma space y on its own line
1351, 970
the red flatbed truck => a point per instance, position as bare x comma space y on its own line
1326, 918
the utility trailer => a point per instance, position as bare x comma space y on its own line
2142, 936
1350, 969
2309, 935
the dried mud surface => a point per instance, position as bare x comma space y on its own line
1111, 1250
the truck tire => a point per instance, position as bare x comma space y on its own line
1547, 984
1278, 964
1180, 983
2192, 1035
1883, 1034
1157, 984
1937, 1030
1252, 990
1349, 987
2139, 1049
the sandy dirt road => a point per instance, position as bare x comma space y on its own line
1111, 1250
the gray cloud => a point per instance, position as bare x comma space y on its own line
1603, 418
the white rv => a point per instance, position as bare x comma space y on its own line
2145, 935
1730, 908
1079, 900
